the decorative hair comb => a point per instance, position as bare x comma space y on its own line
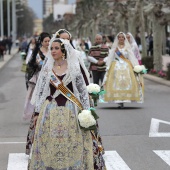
57, 34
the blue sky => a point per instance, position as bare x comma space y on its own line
36, 5
72, 1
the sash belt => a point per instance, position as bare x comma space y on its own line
65, 91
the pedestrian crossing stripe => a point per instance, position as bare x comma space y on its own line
164, 155
17, 161
154, 128
113, 161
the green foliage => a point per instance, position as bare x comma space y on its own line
148, 62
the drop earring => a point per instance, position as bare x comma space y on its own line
63, 57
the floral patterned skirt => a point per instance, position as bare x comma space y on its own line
30, 136
59, 144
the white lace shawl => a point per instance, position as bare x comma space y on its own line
74, 75
80, 58
134, 46
128, 47
79, 55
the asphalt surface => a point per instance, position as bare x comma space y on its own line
125, 131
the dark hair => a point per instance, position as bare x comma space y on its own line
38, 44
42, 36
32, 63
63, 50
61, 32
110, 38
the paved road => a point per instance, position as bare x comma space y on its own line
124, 131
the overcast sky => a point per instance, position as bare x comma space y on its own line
37, 7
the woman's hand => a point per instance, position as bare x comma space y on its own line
100, 63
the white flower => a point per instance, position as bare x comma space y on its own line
143, 67
86, 119
23, 53
138, 69
93, 88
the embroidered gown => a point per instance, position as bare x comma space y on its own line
121, 83
59, 143
30, 109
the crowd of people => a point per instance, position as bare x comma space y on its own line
5, 46
58, 71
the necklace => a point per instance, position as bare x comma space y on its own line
121, 45
59, 65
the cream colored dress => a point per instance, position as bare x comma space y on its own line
121, 83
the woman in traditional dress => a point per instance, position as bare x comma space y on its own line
122, 85
59, 142
29, 50
64, 34
134, 46
34, 67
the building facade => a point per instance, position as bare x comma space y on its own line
38, 26
62, 7
47, 8
25, 2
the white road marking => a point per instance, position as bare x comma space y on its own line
113, 161
19, 161
164, 155
154, 128
6, 143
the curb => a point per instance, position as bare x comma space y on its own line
157, 80
14, 51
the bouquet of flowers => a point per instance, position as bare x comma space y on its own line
94, 91
23, 55
87, 119
140, 69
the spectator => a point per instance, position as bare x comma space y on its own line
9, 44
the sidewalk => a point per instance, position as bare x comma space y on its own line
157, 79
7, 57
165, 61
